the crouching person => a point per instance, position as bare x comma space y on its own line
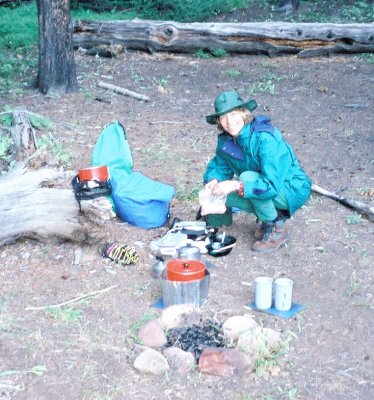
256, 169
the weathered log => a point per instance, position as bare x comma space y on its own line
23, 136
272, 38
32, 202
28, 209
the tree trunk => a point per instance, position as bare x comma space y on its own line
272, 38
57, 73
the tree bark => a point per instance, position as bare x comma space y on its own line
272, 38
23, 136
57, 73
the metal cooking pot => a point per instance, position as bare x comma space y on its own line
189, 252
185, 270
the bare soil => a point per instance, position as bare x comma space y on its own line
324, 107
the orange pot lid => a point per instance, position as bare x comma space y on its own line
185, 270
94, 174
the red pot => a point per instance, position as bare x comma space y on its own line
94, 174
185, 270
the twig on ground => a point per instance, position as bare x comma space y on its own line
123, 91
75, 300
169, 122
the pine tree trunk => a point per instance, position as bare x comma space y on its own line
57, 73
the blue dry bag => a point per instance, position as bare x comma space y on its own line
138, 200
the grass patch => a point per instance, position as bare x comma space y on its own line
38, 370
135, 326
187, 195
65, 314
353, 219
355, 285
18, 45
233, 73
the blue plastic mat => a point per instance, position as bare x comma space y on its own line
295, 308
158, 304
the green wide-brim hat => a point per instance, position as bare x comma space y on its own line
226, 102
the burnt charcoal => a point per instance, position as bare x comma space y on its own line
196, 338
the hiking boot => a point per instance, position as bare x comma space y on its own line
259, 232
274, 236
283, 215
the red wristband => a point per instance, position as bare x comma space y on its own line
240, 190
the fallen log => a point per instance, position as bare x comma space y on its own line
272, 38
30, 209
359, 206
36, 200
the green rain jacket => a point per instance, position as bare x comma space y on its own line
260, 147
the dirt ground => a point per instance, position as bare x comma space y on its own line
324, 107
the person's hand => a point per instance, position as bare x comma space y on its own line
210, 185
224, 188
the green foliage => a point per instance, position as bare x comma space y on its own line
233, 73
100, 6
182, 10
219, 52
65, 314
355, 284
369, 57
354, 218
202, 54
187, 195
50, 143
5, 147
18, 43
361, 12
39, 122
38, 370
135, 326
262, 87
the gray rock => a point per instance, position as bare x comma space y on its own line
151, 362
237, 325
180, 360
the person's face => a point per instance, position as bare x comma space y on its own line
232, 122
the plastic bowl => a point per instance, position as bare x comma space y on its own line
216, 244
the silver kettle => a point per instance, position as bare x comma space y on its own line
189, 252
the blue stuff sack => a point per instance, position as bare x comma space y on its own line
112, 149
142, 201
138, 200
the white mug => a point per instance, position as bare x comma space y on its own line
263, 292
283, 294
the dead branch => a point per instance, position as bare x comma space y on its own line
94, 293
123, 91
354, 204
